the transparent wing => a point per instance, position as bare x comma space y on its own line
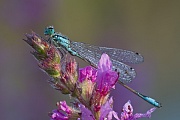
92, 54
121, 55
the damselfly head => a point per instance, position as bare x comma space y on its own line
49, 31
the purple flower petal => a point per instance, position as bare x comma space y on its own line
107, 111
106, 77
63, 106
127, 113
104, 63
111, 114
88, 72
147, 114
57, 115
86, 113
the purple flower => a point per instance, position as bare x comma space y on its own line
87, 73
64, 112
127, 112
106, 77
57, 115
107, 111
86, 114
87, 77
63, 106
111, 114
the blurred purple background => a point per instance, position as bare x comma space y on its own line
149, 27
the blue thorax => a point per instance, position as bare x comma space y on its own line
64, 42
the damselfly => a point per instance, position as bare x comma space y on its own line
92, 54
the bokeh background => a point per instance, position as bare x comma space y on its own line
150, 27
